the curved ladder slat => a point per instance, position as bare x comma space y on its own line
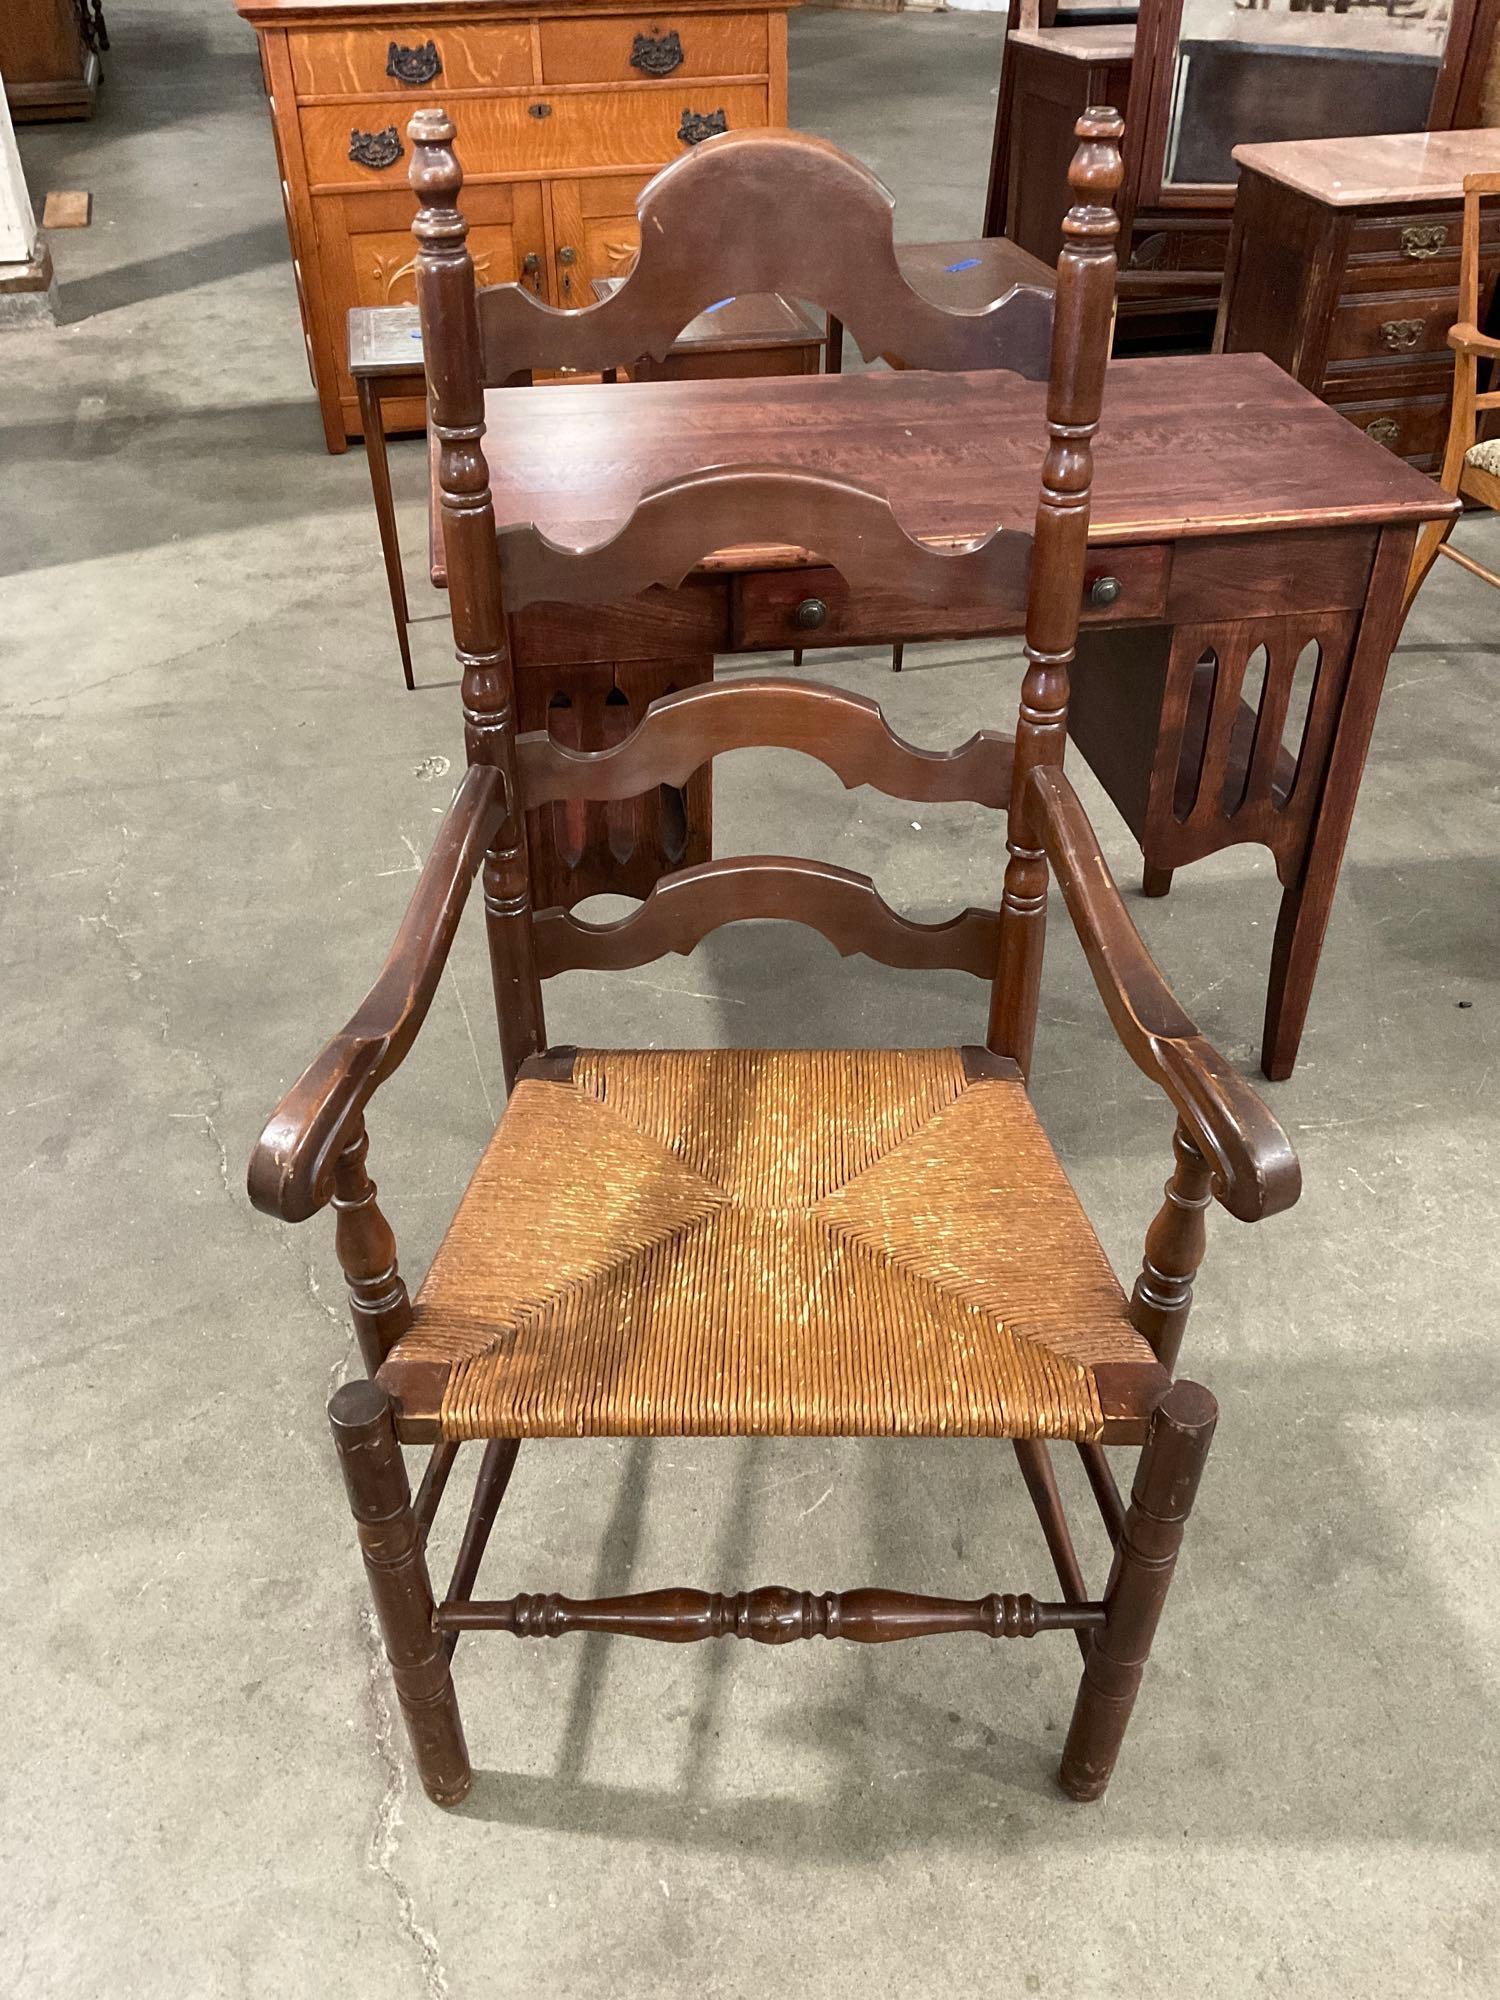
683, 909
681, 522
833, 245
680, 733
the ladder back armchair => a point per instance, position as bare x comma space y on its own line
733, 1242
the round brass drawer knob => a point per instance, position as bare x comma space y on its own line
810, 614
1104, 591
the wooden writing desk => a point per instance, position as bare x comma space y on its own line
1232, 511
759, 335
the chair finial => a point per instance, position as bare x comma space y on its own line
1094, 177
435, 177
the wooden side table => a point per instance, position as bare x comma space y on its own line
759, 335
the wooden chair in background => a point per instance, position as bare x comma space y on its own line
780, 1243
1471, 465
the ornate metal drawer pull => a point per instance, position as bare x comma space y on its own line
1401, 333
657, 55
414, 66
1425, 239
376, 149
697, 126
1386, 431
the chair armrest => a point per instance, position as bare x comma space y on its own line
1254, 1170
1470, 340
292, 1167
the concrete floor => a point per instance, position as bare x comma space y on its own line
215, 792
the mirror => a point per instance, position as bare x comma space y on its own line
1248, 71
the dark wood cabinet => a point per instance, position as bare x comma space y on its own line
49, 57
1197, 79
1343, 267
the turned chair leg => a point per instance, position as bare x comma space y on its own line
380, 1498
1155, 881
1166, 1481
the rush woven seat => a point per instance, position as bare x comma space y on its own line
728, 1242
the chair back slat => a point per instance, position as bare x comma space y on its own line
681, 732
824, 235
848, 910
765, 213
679, 524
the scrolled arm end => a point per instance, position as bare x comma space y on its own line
1255, 1172
292, 1167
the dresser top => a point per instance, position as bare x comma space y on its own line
1401, 166
384, 14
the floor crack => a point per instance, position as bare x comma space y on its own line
385, 1834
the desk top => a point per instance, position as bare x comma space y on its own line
1401, 166
1190, 445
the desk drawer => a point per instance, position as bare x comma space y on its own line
764, 605
637, 48
364, 145
361, 62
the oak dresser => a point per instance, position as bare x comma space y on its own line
1343, 267
564, 112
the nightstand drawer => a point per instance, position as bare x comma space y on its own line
1413, 427
1386, 324
814, 607
335, 62
641, 48
1421, 250
364, 144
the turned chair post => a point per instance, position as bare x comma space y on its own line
1175, 1243
450, 341
1166, 1483
1075, 395
380, 1500
366, 1247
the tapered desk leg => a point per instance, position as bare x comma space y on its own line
1305, 907
372, 415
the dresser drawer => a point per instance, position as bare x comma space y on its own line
637, 48
764, 605
1381, 325
364, 145
345, 62
1418, 250
1413, 427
